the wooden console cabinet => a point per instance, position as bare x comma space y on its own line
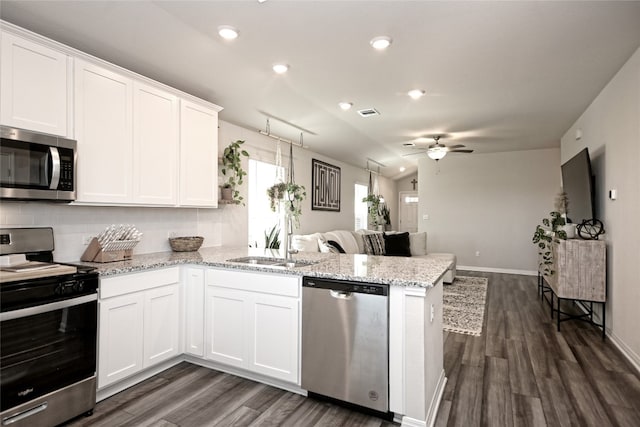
579, 274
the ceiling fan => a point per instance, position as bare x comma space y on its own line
437, 151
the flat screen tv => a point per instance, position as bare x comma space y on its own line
577, 183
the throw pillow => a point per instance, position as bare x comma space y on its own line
397, 244
374, 244
337, 246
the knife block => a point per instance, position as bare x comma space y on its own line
111, 253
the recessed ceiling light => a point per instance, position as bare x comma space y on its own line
402, 169
227, 32
261, 1
280, 68
381, 42
416, 93
345, 105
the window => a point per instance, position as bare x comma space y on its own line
359, 207
261, 176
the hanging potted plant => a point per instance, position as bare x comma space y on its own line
373, 205
385, 213
233, 171
292, 195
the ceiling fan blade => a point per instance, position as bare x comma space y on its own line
413, 154
461, 151
453, 147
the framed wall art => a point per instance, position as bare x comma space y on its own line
325, 185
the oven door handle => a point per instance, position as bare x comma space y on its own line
58, 305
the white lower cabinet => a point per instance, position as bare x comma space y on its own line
252, 322
161, 324
274, 336
193, 279
120, 340
139, 323
226, 326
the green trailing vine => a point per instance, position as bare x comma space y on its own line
292, 195
232, 168
373, 203
544, 236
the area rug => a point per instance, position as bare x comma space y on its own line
463, 308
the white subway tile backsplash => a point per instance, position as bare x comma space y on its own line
71, 223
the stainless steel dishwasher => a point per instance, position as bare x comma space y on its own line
345, 341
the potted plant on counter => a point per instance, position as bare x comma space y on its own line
233, 171
545, 235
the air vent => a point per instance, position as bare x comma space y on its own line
368, 112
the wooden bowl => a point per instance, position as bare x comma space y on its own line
186, 244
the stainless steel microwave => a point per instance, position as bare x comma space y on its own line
37, 166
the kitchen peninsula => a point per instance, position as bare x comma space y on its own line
202, 298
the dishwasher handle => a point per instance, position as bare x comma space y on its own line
340, 294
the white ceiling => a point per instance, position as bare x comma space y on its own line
499, 76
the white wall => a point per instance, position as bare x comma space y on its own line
489, 203
263, 148
611, 130
404, 184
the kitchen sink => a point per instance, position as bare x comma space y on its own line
272, 262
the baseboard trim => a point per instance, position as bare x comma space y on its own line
626, 351
412, 422
497, 270
437, 399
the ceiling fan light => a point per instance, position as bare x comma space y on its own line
280, 68
227, 32
437, 153
381, 42
416, 93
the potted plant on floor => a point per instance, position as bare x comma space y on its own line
385, 213
233, 171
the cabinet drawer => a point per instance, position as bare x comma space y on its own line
275, 284
135, 282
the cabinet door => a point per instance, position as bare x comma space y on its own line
226, 326
161, 324
198, 155
155, 146
194, 312
34, 86
120, 338
274, 337
104, 133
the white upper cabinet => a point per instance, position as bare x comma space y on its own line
104, 130
34, 82
198, 155
155, 145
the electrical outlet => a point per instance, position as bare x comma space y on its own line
477, 253
433, 312
425, 217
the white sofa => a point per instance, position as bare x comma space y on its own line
352, 242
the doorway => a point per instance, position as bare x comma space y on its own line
408, 211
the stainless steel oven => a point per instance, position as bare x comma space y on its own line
48, 329
35, 166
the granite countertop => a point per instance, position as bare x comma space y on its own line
396, 271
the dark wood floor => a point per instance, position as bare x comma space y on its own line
520, 372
